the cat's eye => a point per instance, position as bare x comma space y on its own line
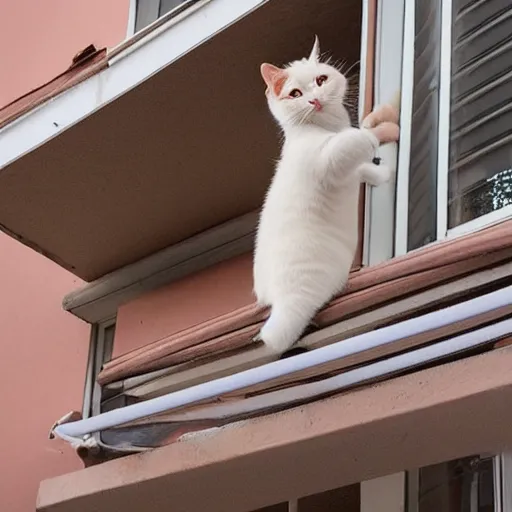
321, 79
295, 93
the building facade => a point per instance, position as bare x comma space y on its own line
128, 168
37, 336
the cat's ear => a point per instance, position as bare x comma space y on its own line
274, 77
314, 56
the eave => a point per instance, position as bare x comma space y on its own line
169, 138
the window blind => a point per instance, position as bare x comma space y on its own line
425, 125
480, 177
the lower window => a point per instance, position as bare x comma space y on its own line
469, 484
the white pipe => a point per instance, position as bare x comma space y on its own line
276, 369
232, 411
348, 378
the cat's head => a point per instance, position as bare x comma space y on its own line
306, 91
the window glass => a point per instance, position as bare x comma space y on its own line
147, 11
422, 217
463, 485
168, 5
480, 173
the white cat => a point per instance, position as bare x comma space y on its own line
308, 229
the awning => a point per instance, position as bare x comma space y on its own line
367, 290
168, 137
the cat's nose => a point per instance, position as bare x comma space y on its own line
316, 104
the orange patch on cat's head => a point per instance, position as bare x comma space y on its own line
274, 78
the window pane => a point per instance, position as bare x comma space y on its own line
423, 160
148, 11
464, 485
480, 177
167, 5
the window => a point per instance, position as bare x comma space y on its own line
459, 162
145, 12
425, 125
469, 484
100, 351
480, 162
344, 498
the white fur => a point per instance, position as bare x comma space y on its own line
308, 230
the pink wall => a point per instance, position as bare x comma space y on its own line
192, 300
38, 39
44, 350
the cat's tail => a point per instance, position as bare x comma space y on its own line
287, 322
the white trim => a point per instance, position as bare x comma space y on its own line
90, 377
183, 376
132, 14
506, 473
402, 189
384, 494
293, 506
380, 201
190, 29
498, 483
473, 494
103, 353
363, 58
101, 298
443, 141
482, 222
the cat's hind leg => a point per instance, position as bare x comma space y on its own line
287, 321
292, 314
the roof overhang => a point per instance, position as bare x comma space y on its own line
169, 139
411, 421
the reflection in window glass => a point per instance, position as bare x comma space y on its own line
425, 125
463, 485
480, 174
148, 11
167, 5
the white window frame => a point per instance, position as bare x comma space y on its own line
404, 151
154, 10
379, 225
132, 14
506, 481
100, 351
502, 476
402, 190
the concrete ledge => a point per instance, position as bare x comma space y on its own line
437, 414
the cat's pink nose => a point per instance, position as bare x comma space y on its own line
316, 104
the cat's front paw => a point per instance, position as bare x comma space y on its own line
382, 114
384, 175
386, 132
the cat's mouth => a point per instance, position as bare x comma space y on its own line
316, 105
